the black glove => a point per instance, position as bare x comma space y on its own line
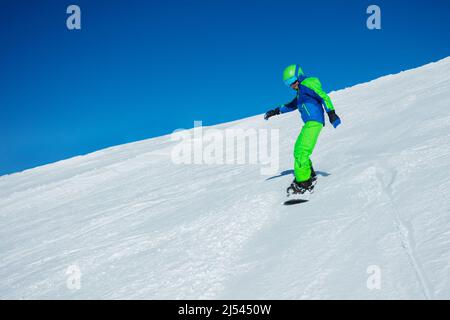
271, 113
334, 118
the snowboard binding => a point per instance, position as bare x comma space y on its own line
301, 187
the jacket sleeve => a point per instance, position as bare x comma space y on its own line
288, 107
315, 85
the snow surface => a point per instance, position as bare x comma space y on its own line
138, 226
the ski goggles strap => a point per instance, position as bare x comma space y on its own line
290, 81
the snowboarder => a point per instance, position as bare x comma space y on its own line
310, 101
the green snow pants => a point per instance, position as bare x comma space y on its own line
303, 149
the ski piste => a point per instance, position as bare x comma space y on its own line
136, 225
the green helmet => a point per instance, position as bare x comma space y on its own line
291, 74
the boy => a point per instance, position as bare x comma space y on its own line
310, 100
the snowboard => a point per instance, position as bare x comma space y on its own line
296, 200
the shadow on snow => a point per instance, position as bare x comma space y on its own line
291, 172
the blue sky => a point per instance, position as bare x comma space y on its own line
140, 69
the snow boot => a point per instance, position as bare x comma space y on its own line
300, 187
313, 173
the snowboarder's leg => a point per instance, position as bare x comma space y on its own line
303, 149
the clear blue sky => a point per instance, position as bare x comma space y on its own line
140, 69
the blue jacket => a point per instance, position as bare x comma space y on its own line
310, 101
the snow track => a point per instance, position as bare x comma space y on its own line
405, 234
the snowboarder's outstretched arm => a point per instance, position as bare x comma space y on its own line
315, 85
288, 107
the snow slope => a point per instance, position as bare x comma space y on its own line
135, 225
